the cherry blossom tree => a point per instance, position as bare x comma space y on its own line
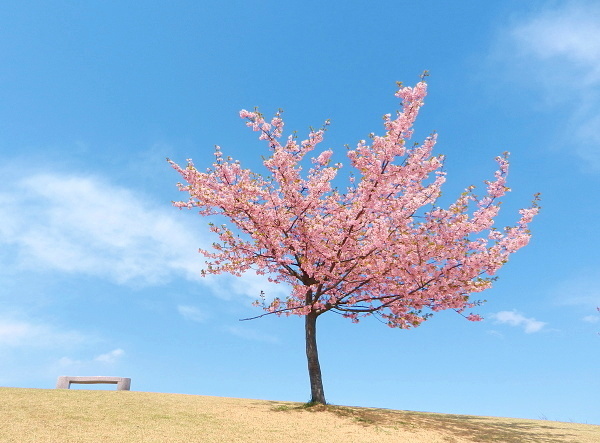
383, 247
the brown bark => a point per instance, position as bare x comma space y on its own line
312, 355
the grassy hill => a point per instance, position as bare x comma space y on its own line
59, 415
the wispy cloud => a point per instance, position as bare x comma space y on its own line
110, 357
32, 348
568, 33
513, 318
94, 364
85, 225
191, 313
494, 333
251, 285
558, 46
18, 333
579, 290
251, 334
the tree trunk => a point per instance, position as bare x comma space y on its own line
314, 368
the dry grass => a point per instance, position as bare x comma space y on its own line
40, 415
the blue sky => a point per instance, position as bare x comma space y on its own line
99, 274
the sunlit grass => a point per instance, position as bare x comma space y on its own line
60, 415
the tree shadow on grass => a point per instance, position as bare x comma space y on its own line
478, 429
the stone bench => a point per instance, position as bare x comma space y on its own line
123, 384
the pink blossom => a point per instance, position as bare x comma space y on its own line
383, 247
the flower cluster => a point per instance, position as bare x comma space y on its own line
375, 249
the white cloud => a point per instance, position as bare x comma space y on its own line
569, 33
87, 365
31, 349
251, 334
579, 290
251, 285
494, 333
85, 225
513, 318
192, 313
68, 363
557, 49
110, 357
591, 318
17, 333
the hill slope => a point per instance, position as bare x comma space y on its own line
54, 415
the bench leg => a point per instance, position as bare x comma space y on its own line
63, 383
124, 384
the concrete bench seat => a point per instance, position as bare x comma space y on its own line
123, 384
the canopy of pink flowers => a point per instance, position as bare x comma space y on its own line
381, 247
